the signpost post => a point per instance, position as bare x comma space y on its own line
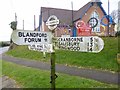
52, 25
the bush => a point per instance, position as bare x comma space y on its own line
117, 33
3, 44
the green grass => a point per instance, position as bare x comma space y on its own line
105, 60
27, 77
0, 68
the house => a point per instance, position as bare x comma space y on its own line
90, 12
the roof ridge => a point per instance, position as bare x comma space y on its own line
95, 1
58, 8
84, 6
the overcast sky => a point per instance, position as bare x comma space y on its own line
26, 9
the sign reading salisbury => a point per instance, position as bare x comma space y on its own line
24, 37
83, 44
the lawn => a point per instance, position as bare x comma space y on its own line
0, 68
27, 77
105, 60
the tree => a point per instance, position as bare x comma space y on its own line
117, 33
114, 15
13, 25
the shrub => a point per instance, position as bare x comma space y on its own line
3, 44
117, 33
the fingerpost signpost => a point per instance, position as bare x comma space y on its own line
52, 23
46, 42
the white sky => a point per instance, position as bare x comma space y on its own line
26, 9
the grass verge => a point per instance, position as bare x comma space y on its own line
105, 60
0, 68
28, 77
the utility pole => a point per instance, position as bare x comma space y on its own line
23, 24
40, 20
15, 17
72, 12
34, 23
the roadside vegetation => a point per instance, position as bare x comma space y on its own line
0, 68
105, 60
27, 77
4, 43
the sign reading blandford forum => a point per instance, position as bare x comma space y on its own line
25, 37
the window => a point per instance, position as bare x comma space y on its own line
93, 21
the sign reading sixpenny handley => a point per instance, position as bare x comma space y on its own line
41, 47
24, 37
83, 43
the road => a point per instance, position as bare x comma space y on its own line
102, 76
3, 49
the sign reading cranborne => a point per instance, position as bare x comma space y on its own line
83, 44
24, 37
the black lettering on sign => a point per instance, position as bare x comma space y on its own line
27, 35
30, 34
67, 39
20, 34
33, 46
45, 39
25, 40
74, 43
78, 48
40, 47
79, 39
45, 35
91, 39
91, 49
71, 48
91, 44
64, 39
32, 40
42, 35
74, 39
74, 48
